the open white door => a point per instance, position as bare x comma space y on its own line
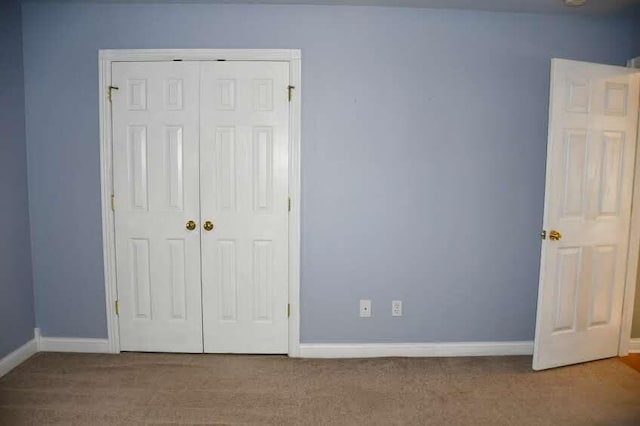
155, 180
593, 117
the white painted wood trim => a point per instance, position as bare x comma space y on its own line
377, 350
634, 346
105, 58
73, 344
295, 120
135, 55
17, 357
108, 219
631, 279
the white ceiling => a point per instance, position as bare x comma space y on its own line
593, 7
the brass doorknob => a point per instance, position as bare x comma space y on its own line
208, 225
191, 225
554, 235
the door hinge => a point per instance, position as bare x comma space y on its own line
288, 310
117, 307
113, 202
111, 89
290, 89
289, 204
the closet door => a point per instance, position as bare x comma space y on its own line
244, 126
156, 187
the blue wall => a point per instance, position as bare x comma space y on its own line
424, 138
16, 284
636, 32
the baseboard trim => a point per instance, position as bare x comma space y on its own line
65, 344
307, 350
376, 350
72, 344
17, 357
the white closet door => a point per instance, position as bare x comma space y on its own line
244, 125
155, 161
591, 153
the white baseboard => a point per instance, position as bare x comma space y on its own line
71, 344
307, 350
634, 346
17, 357
375, 350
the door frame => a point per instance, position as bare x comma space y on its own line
631, 279
105, 58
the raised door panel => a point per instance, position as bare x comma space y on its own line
611, 172
141, 277
576, 147
174, 167
227, 281
225, 154
567, 284
178, 277
602, 285
138, 178
262, 183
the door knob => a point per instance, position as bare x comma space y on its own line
208, 225
191, 225
554, 235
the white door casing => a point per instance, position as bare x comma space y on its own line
155, 179
244, 157
106, 59
590, 170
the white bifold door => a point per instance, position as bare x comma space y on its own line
200, 177
590, 171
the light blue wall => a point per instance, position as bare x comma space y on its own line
16, 284
636, 32
424, 137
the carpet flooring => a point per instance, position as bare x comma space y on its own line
135, 388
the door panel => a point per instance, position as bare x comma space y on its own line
590, 161
155, 161
244, 125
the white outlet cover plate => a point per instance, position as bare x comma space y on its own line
365, 308
396, 308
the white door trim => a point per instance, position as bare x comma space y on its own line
105, 58
631, 280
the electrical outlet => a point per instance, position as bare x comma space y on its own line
365, 308
396, 308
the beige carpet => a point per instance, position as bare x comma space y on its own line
85, 389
